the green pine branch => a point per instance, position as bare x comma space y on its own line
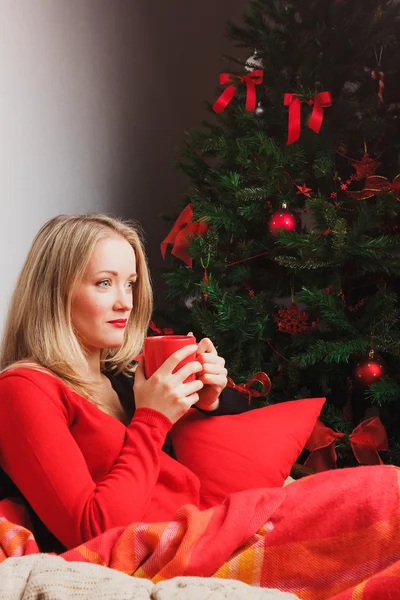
302, 264
384, 391
330, 352
330, 308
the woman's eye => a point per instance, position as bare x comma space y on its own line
109, 281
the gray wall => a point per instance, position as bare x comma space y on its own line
94, 97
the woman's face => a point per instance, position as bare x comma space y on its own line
102, 296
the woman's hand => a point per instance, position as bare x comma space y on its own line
213, 376
165, 391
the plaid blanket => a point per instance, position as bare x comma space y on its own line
335, 535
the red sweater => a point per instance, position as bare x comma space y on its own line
81, 470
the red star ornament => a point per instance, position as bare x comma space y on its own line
303, 189
365, 167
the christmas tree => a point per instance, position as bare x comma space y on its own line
287, 251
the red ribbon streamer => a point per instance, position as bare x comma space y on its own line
247, 390
376, 184
294, 104
366, 439
319, 102
180, 233
159, 331
251, 80
381, 74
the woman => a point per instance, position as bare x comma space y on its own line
83, 434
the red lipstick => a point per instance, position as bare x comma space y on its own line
118, 322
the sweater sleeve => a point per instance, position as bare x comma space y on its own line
40, 455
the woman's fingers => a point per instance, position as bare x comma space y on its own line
215, 369
187, 370
206, 345
192, 387
214, 380
192, 399
209, 358
173, 361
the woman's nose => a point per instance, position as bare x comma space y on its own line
124, 299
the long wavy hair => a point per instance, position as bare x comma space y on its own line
38, 331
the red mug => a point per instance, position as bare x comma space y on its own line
157, 348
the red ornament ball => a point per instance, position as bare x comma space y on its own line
283, 219
370, 370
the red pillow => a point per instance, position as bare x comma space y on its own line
237, 452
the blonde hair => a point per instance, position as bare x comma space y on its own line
38, 331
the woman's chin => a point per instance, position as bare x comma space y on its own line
113, 343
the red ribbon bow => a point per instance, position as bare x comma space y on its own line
319, 102
251, 80
247, 390
179, 235
366, 439
375, 184
159, 331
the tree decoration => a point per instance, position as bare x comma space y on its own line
180, 235
378, 73
259, 110
356, 306
369, 370
365, 167
250, 392
293, 102
250, 80
366, 440
303, 189
292, 320
190, 301
254, 62
377, 185
282, 219
381, 75
237, 262
160, 330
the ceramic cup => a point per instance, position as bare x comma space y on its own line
158, 348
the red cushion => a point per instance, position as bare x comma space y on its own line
250, 450
15, 510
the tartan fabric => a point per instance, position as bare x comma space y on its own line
335, 535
